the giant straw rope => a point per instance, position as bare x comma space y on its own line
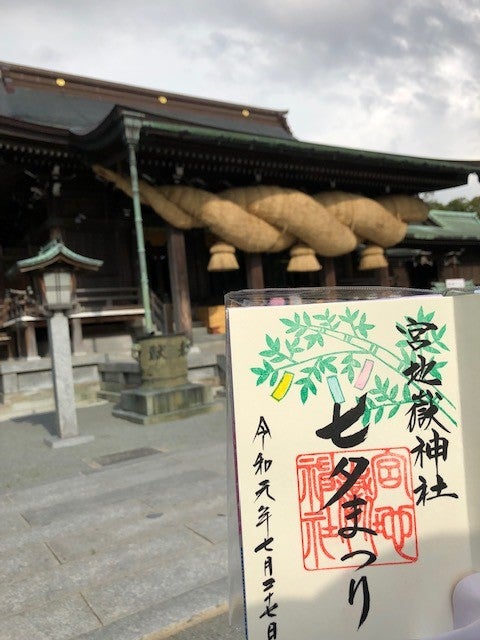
271, 219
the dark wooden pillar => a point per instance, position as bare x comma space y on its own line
2, 275
383, 277
329, 274
254, 268
177, 264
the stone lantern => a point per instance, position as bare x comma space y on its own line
53, 273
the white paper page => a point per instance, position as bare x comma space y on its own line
350, 467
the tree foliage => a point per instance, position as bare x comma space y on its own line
457, 204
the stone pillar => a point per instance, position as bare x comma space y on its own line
77, 337
31, 342
26, 340
62, 372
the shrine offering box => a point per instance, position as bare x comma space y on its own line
354, 460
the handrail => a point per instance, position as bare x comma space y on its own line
107, 297
161, 314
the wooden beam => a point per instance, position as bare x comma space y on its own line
254, 268
177, 264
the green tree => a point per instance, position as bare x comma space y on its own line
457, 204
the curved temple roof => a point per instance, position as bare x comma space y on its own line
77, 115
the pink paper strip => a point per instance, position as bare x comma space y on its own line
364, 374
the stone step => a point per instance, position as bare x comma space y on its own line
51, 522
206, 518
164, 615
154, 468
159, 583
32, 402
178, 549
72, 618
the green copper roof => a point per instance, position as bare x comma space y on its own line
56, 251
447, 225
308, 147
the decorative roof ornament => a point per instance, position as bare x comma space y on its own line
54, 252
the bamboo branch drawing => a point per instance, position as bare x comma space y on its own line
316, 348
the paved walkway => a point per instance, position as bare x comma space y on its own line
122, 538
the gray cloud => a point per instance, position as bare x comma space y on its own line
378, 74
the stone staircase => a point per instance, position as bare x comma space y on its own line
118, 552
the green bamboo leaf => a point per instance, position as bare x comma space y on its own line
274, 344
288, 322
393, 392
393, 410
366, 417
313, 339
306, 319
304, 394
430, 349
268, 353
361, 331
330, 366
300, 332
307, 370
274, 378
401, 328
378, 415
262, 376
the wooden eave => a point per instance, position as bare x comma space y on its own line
19, 130
299, 162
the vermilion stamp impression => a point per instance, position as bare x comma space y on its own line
356, 508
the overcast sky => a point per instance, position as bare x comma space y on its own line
398, 76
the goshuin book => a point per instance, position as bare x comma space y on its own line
354, 461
